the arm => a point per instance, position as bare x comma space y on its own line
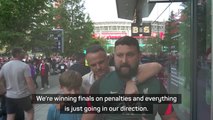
148, 70
145, 71
30, 84
2, 84
39, 67
29, 80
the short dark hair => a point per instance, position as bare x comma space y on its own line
16, 51
79, 56
94, 49
127, 40
70, 79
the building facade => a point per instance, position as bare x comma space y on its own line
112, 30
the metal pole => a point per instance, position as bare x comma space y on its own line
193, 41
62, 38
62, 41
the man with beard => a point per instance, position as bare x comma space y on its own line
99, 64
127, 57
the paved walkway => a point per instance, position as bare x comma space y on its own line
42, 109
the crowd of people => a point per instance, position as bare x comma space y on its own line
125, 76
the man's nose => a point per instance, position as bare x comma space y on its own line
98, 66
124, 59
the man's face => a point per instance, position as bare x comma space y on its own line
98, 63
126, 60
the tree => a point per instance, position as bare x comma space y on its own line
19, 19
41, 30
171, 32
77, 25
184, 41
204, 22
153, 46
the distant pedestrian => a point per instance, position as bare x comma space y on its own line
44, 73
19, 86
79, 65
33, 72
62, 67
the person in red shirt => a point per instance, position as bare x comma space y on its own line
44, 73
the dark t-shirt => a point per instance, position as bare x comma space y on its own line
82, 69
62, 67
112, 84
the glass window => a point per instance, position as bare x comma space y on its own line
204, 59
171, 48
178, 29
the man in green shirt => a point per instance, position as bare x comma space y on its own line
99, 64
127, 57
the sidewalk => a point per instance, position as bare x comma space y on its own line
41, 110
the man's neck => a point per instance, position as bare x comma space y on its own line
17, 59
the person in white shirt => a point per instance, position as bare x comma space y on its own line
99, 64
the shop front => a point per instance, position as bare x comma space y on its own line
187, 59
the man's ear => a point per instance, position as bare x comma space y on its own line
107, 58
139, 57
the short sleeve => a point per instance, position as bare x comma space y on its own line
27, 71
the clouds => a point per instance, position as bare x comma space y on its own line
102, 10
105, 10
158, 11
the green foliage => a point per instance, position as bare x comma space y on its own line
28, 23
184, 41
152, 46
94, 41
18, 18
204, 21
171, 32
76, 24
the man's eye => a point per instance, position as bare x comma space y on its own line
101, 62
119, 55
130, 54
92, 65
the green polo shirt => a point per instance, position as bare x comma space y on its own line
113, 84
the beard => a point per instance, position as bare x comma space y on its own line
126, 71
